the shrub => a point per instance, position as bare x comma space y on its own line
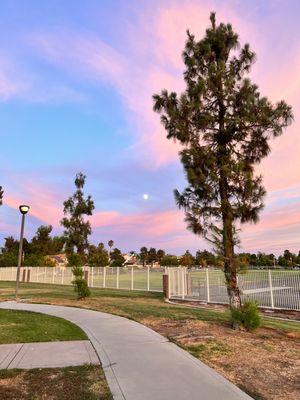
49, 262
247, 316
79, 283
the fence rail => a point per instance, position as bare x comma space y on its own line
130, 278
270, 288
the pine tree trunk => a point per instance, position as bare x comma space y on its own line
228, 247
226, 209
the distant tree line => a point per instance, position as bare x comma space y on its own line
42, 245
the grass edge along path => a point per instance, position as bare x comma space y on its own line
28, 327
137, 305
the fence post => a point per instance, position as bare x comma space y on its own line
271, 289
182, 282
62, 276
166, 286
86, 275
131, 278
92, 276
53, 275
207, 286
148, 278
118, 276
104, 276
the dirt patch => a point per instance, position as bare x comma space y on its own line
265, 363
73, 383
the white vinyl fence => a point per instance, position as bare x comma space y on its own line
130, 278
271, 288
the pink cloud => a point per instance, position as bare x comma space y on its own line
43, 201
153, 223
152, 62
165, 229
279, 217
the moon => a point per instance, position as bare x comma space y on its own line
145, 196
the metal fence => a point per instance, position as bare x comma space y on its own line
270, 288
130, 278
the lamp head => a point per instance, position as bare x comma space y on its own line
24, 209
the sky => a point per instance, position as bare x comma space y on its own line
76, 86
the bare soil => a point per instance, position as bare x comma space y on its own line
72, 383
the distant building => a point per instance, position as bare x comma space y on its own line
130, 259
59, 259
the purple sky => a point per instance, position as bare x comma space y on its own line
76, 80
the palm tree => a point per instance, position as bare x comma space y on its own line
110, 244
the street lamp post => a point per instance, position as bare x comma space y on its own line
23, 210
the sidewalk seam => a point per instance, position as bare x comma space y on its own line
11, 361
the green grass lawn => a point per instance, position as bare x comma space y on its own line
27, 327
136, 305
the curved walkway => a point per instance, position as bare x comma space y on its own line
140, 364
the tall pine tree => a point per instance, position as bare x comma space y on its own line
224, 126
77, 229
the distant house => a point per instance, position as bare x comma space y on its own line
130, 259
59, 259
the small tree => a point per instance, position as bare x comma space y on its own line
160, 255
8, 260
41, 242
117, 259
77, 229
34, 260
144, 255
11, 245
98, 256
49, 262
207, 256
169, 261
79, 283
152, 256
224, 126
187, 260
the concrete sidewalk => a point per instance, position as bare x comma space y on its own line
140, 364
47, 354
